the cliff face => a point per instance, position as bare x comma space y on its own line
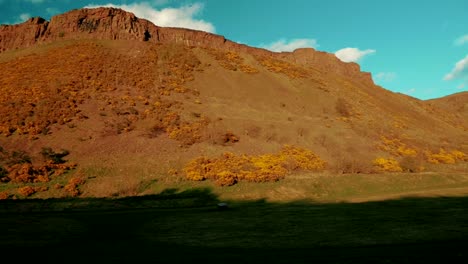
116, 24
22, 35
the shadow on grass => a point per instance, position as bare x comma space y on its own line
188, 226
168, 199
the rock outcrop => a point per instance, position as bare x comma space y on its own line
117, 24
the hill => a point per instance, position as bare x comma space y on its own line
133, 103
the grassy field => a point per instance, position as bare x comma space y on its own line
323, 187
186, 226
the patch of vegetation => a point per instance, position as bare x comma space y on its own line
283, 67
390, 165
446, 157
232, 61
187, 133
17, 157
412, 164
230, 168
72, 188
396, 147
18, 167
4, 195
56, 157
3, 172
26, 191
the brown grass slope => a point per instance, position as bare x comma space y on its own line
129, 108
457, 104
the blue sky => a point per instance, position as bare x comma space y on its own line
417, 47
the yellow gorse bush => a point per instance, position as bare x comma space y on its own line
445, 157
283, 67
390, 165
396, 147
230, 168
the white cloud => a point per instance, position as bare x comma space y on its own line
23, 17
385, 76
461, 86
291, 45
184, 16
411, 91
352, 54
460, 71
52, 10
35, 1
461, 40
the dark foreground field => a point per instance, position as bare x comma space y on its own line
187, 227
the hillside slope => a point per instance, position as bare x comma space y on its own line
131, 101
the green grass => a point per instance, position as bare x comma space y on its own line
324, 187
181, 227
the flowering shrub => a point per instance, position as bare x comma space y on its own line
396, 148
230, 168
390, 165
4, 195
21, 170
283, 67
26, 191
187, 133
445, 157
72, 187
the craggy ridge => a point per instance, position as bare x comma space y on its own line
116, 24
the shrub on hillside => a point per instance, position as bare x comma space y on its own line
3, 173
18, 157
26, 191
283, 67
396, 147
230, 168
229, 138
353, 164
387, 165
4, 195
445, 157
56, 157
248, 69
411, 164
72, 188
19, 168
188, 133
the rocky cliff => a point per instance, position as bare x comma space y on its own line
117, 24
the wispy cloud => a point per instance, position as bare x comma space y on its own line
184, 16
460, 71
411, 91
353, 54
384, 76
23, 17
34, 1
461, 40
52, 10
290, 45
17, 19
